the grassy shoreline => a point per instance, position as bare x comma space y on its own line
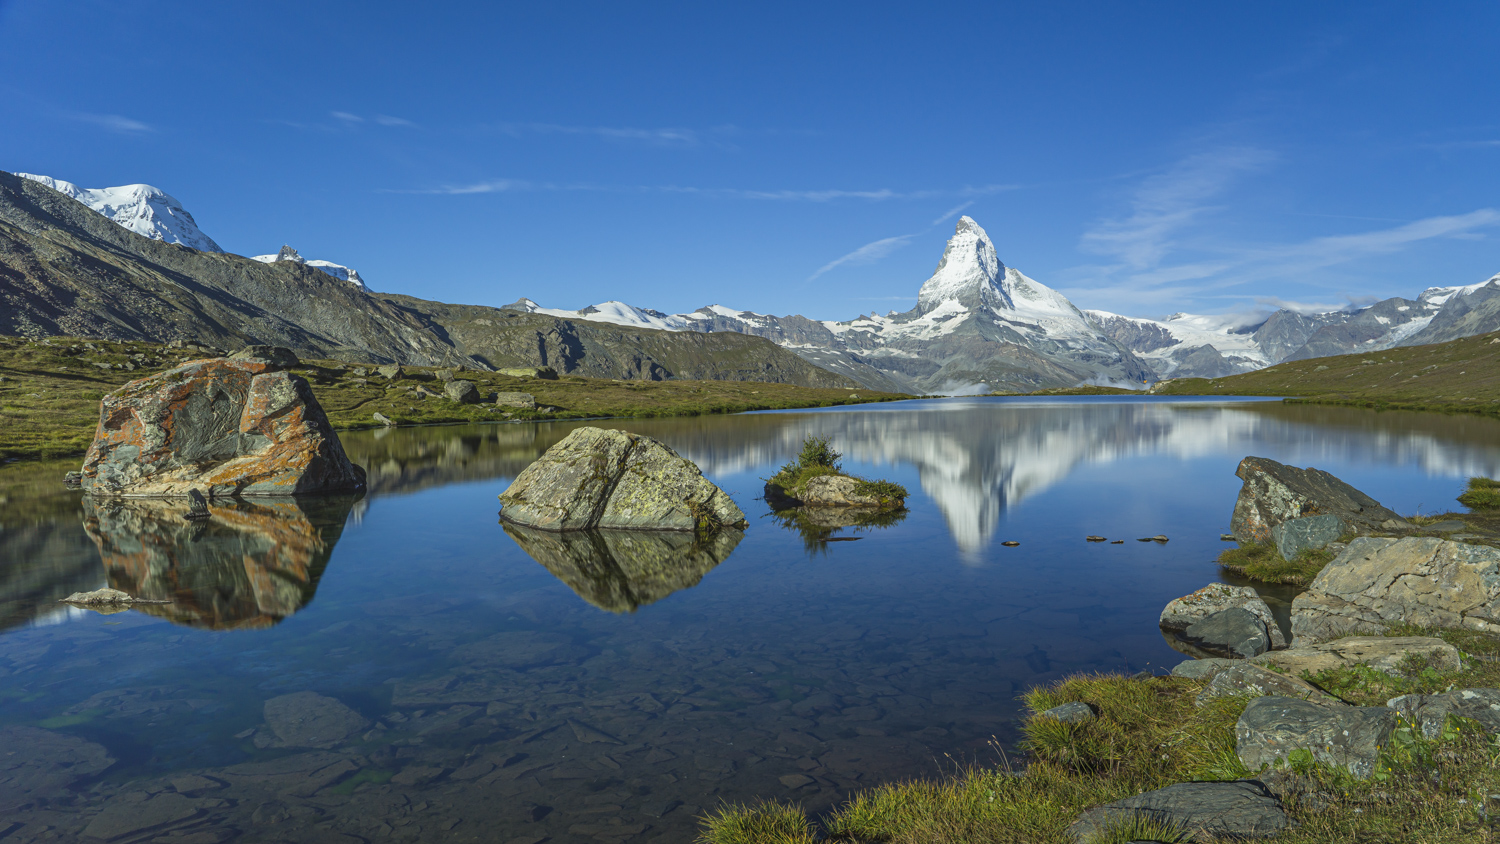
1150, 733
50, 392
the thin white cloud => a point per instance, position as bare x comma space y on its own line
114, 123
867, 254
951, 213
827, 195
1168, 202
346, 118
671, 136
387, 120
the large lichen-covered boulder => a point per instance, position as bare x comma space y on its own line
597, 478
1348, 737
1377, 582
224, 427
1180, 613
1274, 493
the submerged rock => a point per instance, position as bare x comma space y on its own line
37, 763
1202, 810
597, 478
308, 719
99, 596
1348, 737
231, 427
1274, 493
623, 570
1423, 581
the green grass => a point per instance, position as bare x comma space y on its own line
1481, 494
1150, 734
1458, 376
50, 392
818, 459
1261, 561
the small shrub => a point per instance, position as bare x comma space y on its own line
819, 451
1482, 494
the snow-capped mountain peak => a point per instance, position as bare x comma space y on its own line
968, 273
143, 209
338, 271
1440, 295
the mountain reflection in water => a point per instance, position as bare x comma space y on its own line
623, 570
250, 565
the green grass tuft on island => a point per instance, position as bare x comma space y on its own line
1149, 734
819, 459
50, 391
1458, 376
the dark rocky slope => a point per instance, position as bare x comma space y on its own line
66, 270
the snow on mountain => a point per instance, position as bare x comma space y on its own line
1441, 295
1166, 343
143, 209
338, 271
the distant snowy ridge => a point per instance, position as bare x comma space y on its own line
338, 271
143, 209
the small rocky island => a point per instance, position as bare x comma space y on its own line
815, 480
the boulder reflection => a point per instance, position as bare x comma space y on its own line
820, 525
248, 566
623, 570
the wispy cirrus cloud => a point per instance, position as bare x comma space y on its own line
669, 136
1166, 254
820, 195
114, 123
867, 254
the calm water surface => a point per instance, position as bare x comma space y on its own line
402, 667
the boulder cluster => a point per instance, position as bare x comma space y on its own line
1340, 621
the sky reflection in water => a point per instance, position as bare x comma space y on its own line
478, 683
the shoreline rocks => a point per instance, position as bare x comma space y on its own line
1348, 737
232, 427
597, 478
1181, 613
1201, 810
1376, 582
1381, 653
1274, 493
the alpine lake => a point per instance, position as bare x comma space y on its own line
403, 667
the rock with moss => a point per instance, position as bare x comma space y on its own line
1294, 536
596, 478
1274, 493
1390, 654
1242, 679
815, 480
1377, 582
1272, 729
1431, 712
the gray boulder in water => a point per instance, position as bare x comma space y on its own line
1274, 493
596, 478
1233, 632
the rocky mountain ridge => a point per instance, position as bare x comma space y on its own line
68, 270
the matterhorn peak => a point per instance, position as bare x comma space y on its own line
968, 274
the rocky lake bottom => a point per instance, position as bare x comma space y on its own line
400, 666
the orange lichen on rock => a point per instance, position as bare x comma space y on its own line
225, 427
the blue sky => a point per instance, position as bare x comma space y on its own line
791, 158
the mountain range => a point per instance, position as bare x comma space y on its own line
66, 269
141, 269
980, 325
